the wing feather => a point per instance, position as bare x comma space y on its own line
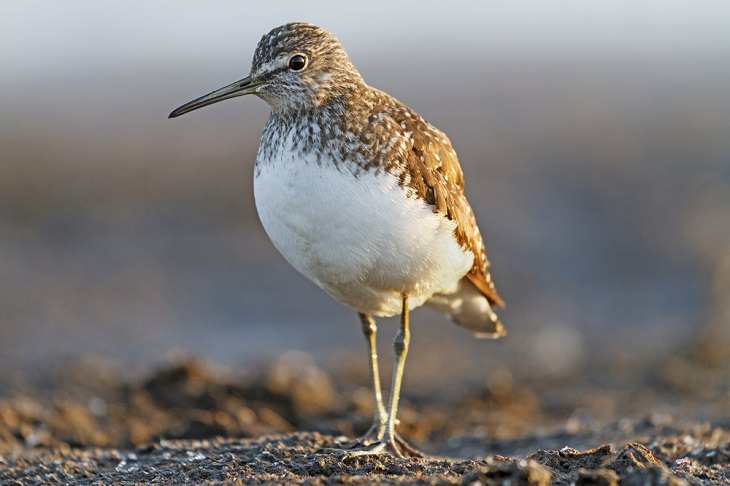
432, 170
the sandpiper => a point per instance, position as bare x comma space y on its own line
365, 198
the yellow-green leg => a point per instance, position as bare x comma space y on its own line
400, 344
370, 330
387, 437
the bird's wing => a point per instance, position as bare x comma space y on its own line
433, 172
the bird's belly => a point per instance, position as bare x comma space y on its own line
359, 237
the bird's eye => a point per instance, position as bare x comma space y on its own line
297, 62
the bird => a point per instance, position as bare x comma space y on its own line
365, 198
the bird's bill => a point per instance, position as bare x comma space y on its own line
239, 88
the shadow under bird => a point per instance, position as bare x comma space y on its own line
365, 198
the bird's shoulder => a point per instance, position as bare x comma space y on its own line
428, 165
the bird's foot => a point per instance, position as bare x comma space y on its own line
373, 434
406, 449
375, 442
372, 449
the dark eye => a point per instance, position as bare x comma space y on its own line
297, 62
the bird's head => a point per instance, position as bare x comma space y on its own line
296, 67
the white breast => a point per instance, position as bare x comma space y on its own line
360, 238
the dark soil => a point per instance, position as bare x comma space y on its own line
188, 423
307, 457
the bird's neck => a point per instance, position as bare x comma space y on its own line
324, 132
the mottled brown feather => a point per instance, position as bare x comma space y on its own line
431, 168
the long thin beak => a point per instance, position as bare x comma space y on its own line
239, 88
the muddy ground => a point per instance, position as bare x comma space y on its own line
666, 422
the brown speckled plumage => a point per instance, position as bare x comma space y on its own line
339, 117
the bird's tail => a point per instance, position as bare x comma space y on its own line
469, 308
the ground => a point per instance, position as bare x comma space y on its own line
288, 422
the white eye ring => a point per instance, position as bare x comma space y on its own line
298, 62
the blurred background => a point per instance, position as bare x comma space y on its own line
595, 139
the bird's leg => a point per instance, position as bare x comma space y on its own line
388, 439
400, 344
376, 430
